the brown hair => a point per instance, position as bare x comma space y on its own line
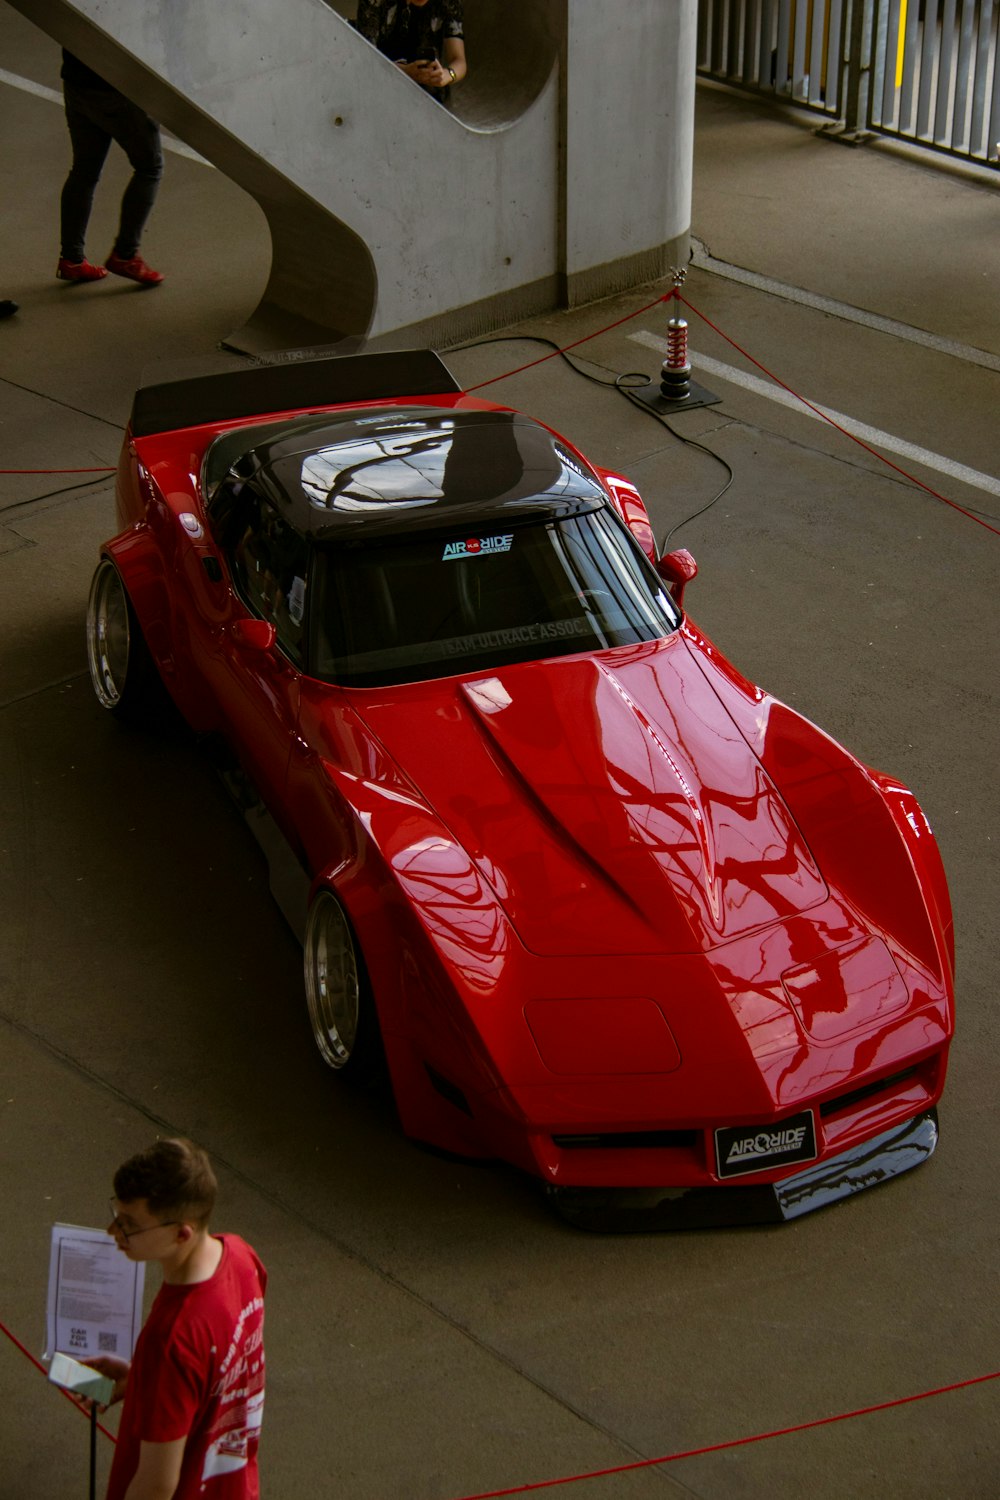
174, 1176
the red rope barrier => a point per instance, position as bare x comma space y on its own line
860, 441
576, 343
39, 1366
608, 328
675, 293
758, 1437
642, 1463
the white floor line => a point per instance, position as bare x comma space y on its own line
965, 352
873, 435
28, 86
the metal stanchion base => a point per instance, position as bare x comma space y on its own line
841, 136
652, 396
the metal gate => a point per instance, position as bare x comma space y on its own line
926, 71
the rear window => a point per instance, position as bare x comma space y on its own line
446, 605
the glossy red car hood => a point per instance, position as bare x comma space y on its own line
610, 802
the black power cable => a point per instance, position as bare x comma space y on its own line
618, 384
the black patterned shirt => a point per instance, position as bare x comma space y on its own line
408, 33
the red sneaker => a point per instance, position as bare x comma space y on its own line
134, 269
79, 270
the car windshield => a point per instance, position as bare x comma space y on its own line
440, 606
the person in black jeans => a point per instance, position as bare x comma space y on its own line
96, 115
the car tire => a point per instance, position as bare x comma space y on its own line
338, 996
122, 671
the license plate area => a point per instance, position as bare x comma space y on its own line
742, 1149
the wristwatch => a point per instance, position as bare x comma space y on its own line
451, 75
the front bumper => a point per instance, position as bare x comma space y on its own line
648, 1210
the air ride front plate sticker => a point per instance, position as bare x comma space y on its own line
741, 1149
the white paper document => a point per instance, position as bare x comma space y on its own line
95, 1295
72, 1376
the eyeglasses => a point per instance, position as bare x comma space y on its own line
130, 1234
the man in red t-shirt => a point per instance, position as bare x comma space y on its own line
194, 1391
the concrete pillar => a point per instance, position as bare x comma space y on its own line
627, 85
563, 173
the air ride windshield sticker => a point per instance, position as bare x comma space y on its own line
477, 546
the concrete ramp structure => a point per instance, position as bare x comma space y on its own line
563, 172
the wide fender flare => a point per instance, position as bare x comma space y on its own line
139, 560
917, 835
434, 937
865, 830
140, 567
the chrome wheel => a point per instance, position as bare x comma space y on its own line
109, 636
333, 981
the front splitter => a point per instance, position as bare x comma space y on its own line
652, 1210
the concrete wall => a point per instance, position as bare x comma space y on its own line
628, 86
564, 171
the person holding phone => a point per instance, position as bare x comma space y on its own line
424, 38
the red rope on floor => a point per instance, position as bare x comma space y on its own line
819, 413
575, 344
39, 1366
674, 293
643, 1463
759, 1437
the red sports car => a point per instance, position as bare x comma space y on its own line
614, 914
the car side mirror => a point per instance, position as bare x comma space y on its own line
254, 635
677, 568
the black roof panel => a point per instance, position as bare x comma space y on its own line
391, 470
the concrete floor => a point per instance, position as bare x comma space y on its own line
432, 1332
